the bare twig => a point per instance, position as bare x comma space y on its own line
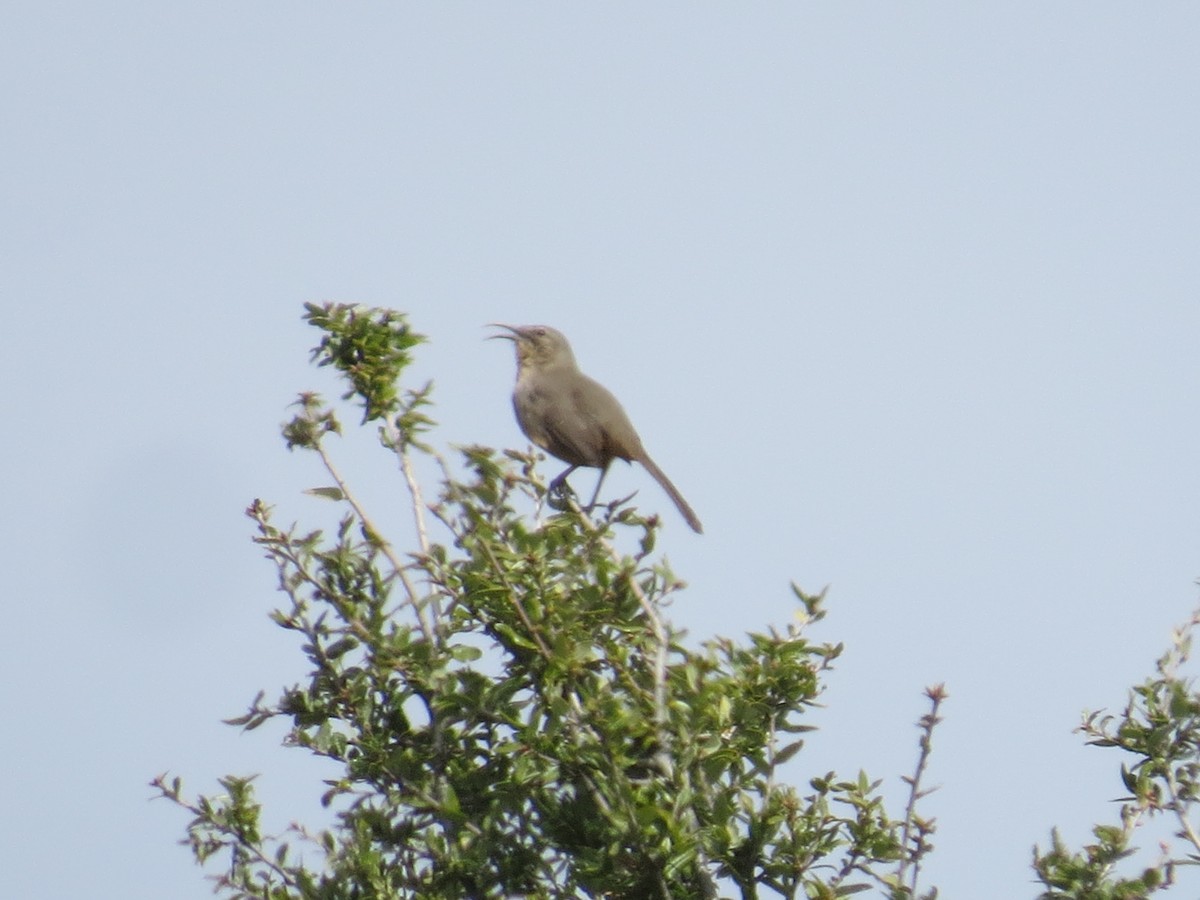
1178, 807
377, 538
418, 503
912, 856
400, 448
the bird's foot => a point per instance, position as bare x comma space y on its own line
559, 495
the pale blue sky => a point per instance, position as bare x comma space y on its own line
902, 296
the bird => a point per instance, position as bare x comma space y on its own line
573, 417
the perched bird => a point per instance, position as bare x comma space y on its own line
572, 417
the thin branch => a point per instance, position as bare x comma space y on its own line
384, 546
1177, 807
656, 626
235, 841
418, 508
772, 746
500, 572
400, 448
928, 722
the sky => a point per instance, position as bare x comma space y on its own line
903, 297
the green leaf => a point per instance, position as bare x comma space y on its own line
464, 653
329, 493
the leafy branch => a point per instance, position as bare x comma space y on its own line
510, 710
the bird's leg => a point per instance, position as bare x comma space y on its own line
596, 493
556, 486
559, 492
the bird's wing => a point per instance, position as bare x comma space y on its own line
574, 436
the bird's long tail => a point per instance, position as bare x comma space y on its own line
661, 477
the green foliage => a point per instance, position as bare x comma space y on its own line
1160, 727
510, 713
370, 348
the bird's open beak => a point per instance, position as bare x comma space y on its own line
516, 332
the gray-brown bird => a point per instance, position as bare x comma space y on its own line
572, 417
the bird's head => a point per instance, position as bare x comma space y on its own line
538, 346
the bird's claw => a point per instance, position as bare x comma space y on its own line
559, 495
